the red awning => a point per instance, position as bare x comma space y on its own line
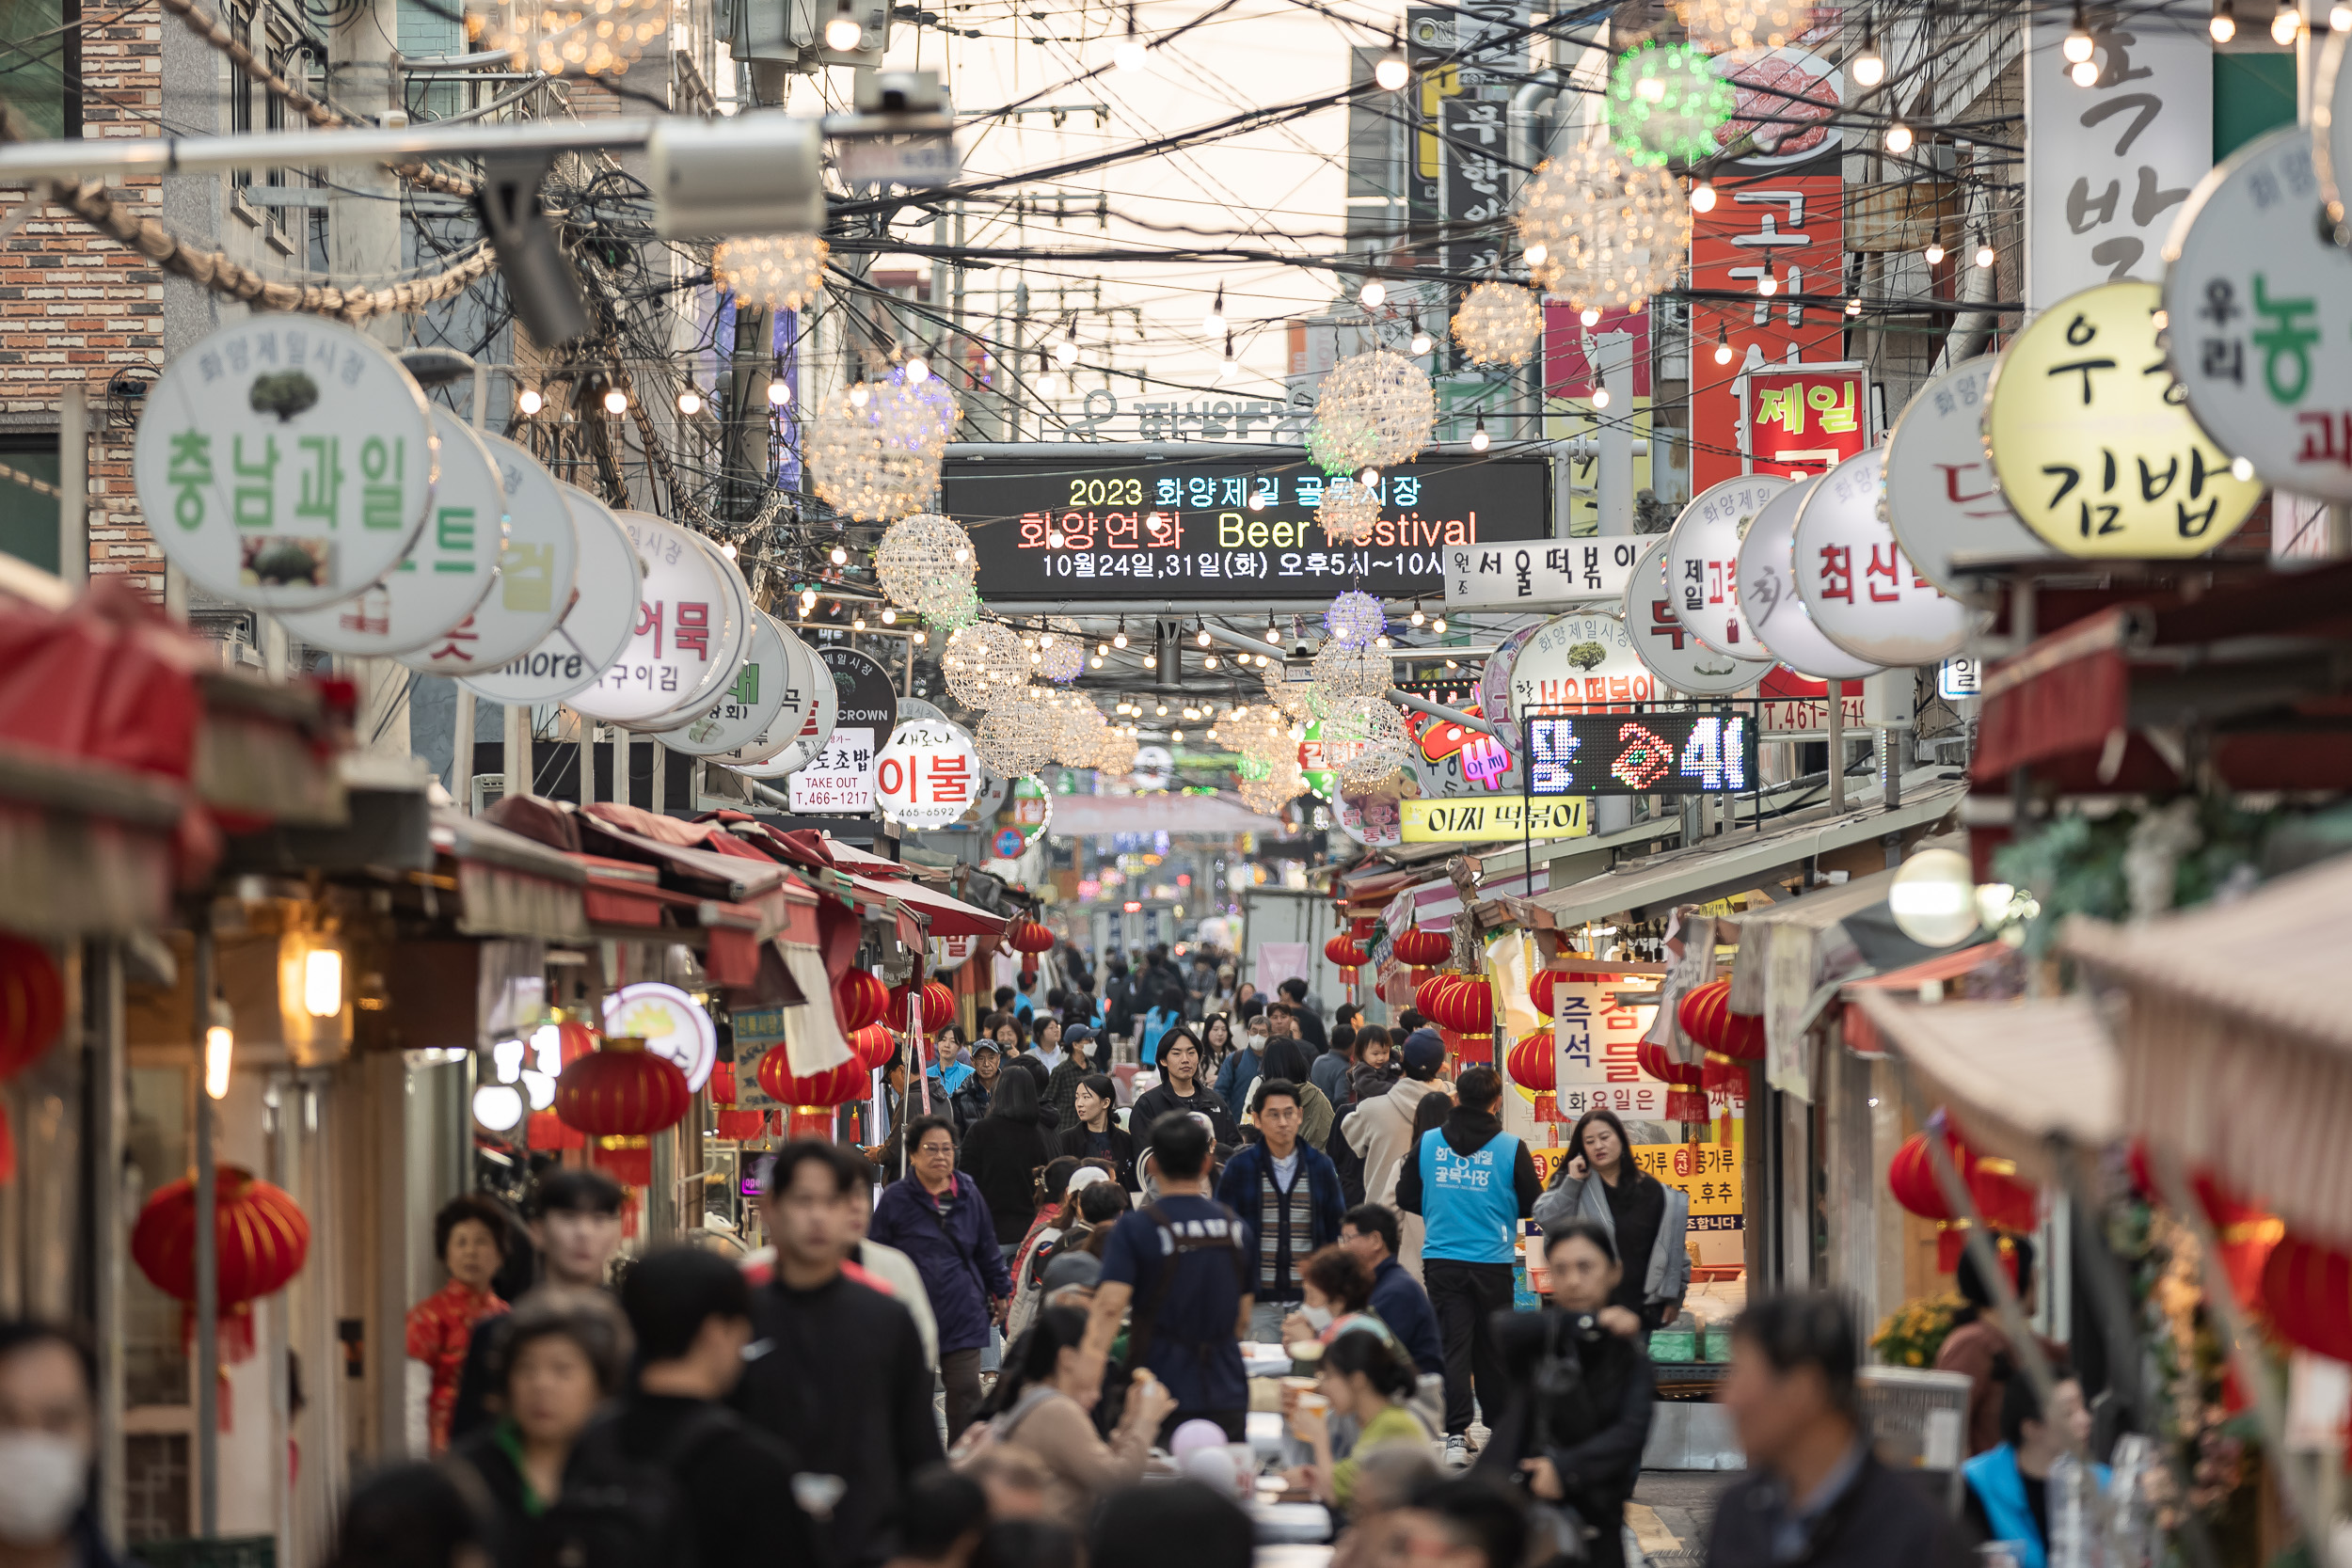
949, 917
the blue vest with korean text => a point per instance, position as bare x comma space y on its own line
1470, 1203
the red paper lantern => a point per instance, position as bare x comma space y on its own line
2307, 1289
1722, 1075
627, 1160
873, 1046
1428, 996
32, 1004
1539, 990
621, 1091
836, 1086
2004, 1202
1532, 1064
859, 998
1422, 948
1029, 936
939, 1006
1343, 951
722, 1085
1706, 1016
545, 1132
1911, 1177
2246, 1230
739, 1125
260, 1237
1684, 1099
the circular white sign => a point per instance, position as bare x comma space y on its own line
1769, 588
1703, 562
926, 774
745, 709
738, 626
671, 1024
1662, 643
285, 462
1494, 680
1857, 585
823, 700
2258, 307
796, 693
593, 632
446, 572
1940, 497
1578, 662
685, 644
537, 571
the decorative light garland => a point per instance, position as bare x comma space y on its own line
1016, 737
873, 449
1349, 513
1666, 102
1061, 654
1601, 230
1356, 619
1373, 411
1499, 324
985, 666
776, 271
925, 564
1370, 742
602, 37
1348, 677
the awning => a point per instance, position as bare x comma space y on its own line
266, 752
1862, 1037
85, 849
509, 886
1202, 815
949, 917
2013, 1074
1793, 957
2236, 1041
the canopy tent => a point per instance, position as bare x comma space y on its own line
2236, 1048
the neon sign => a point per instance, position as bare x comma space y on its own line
1698, 751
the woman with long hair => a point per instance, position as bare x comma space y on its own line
1645, 1219
1042, 1403
1363, 1379
1005, 1151
1092, 1131
1216, 1039
1078, 1047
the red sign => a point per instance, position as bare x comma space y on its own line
1791, 231
1803, 420
1568, 365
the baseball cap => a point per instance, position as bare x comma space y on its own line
1084, 1176
1423, 1054
1066, 1269
984, 1043
1077, 1034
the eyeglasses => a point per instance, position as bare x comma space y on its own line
938, 1150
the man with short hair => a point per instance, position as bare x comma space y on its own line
1289, 1193
1814, 1493
837, 1370
2024, 1485
1472, 1183
574, 1217
1369, 1231
1309, 1024
49, 1434
1183, 1262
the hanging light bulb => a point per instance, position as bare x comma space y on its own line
1868, 68
779, 392
1128, 53
1722, 345
2083, 74
2224, 24
1421, 342
1854, 307
2078, 46
530, 401
843, 34
858, 622
616, 402
1934, 253
1214, 323
1985, 256
1899, 138
1703, 196
1600, 396
689, 402
220, 1051
1229, 365
1066, 352
1391, 71
1208, 661
728, 550
1590, 315
1369, 479
1438, 625
1374, 294
2340, 19
1768, 285
1118, 639
860, 395
840, 555
1417, 616
1151, 661
918, 370
2285, 23
1538, 254
1480, 441
1203, 637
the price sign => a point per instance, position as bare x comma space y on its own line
925, 776
593, 632
2259, 309
285, 463
765, 683
538, 568
1664, 644
1709, 751
446, 573
1855, 583
1769, 586
1508, 577
2092, 447
684, 644
1703, 561
840, 778
1939, 499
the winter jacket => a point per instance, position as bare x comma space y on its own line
1667, 1273
1160, 1100
1249, 1172
969, 1106
1879, 1516
1381, 1127
1003, 1156
1076, 1142
962, 1263
1465, 1131
1239, 1074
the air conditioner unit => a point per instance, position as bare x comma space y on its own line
489, 789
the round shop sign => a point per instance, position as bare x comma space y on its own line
285, 463
672, 1023
1703, 562
446, 572
1856, 584
593, 632
1768, 586
819, 703
1494, 676
926, 774
728, 648
2254, 294
2094, 452
680, 649
840, 777
988, 799
538, 568
1662, 643
1575, 662
1939, 497
746, 709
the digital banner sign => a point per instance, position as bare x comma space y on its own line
1055, 528
1698, 751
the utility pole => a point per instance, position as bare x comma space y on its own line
1610, 355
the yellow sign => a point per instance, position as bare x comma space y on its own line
2090, 440
1492, 820
1707, 1174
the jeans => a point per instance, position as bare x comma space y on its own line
1266, 1320
1465, 1295
959, 1371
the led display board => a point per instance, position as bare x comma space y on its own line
1689, 751
1220, 529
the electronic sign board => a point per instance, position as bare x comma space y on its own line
1688, 752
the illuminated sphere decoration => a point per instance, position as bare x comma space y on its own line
776, 271
1349, 513
1371, 742
1355, 618
1295, 699
1262, 738
1115, 753
1723, 25
925, 564
985, 664
1348, 676
600, 38
879, 457
1665, 102
958, 607
1077, 734
1613, 232
1498, 324
1375, 410
1017, 737
1061, 654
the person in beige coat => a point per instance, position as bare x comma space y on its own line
1381, 1128
1042, 1405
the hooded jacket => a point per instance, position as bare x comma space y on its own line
1465, 1131
1381, 1128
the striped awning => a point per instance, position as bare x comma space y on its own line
85, 849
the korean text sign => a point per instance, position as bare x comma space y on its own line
1709, 751
1792, 227
1596, 1039
1803, 419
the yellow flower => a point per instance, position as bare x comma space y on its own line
1915, 1358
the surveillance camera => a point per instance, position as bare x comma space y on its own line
1303, 649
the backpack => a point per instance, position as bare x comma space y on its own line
616, 1512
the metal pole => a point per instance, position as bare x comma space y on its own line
207, 1259
461, 755
103, 991
1837, 748
73, 483
518, 750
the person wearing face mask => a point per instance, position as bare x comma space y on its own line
48, 1440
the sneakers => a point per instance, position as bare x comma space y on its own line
1456, 1452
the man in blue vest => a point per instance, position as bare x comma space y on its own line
2016, 1488
1472, 1184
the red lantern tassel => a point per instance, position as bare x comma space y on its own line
1685, 1104
810, 1121
627, 1160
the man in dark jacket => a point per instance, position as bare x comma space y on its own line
938, 1217
971, 1100
1455, 1179
1288, 1193
836, 1369
1814, 1493
1370, 1231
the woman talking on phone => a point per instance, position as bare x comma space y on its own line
1644, 1218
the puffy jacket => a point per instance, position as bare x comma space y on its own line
1381, 1128
1666, 1271
957, 1255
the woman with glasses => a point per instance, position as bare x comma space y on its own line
938, 1218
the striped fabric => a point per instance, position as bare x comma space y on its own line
1282, 1216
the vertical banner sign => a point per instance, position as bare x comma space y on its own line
2108, 166
1429, 49
1467, 62
841, 777
1802, 419
1596, 1039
